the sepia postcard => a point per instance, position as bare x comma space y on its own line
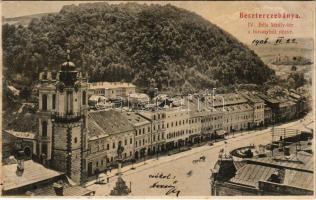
158, 99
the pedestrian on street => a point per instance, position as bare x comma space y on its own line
110, 169
108, 179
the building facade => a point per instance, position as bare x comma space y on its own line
111, 90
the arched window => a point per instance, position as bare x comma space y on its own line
44, 102
44, 129
84, 98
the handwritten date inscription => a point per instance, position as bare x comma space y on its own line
278, 41
171, 185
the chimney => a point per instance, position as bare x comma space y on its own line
59, 188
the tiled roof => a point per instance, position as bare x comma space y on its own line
110, 121
237, 108
287, 103
251, 174
306, 161
69, 190
33, 173
229, 99
135, 119
268, 99
252, 97
94, 130
299, 179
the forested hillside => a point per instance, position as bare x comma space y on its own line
168, 46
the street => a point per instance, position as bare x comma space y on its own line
185, 173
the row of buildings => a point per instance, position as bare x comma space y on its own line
79, 142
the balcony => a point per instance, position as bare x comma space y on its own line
67, 117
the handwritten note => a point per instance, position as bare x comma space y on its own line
165, 181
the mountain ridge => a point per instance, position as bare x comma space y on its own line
149, 45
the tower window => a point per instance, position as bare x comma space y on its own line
54, 101
76, 140
69, 103
84, 98
44, 102
44, 129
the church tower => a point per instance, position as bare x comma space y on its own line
63, 120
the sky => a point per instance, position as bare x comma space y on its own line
223, 14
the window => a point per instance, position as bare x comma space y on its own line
135, 143
125, 142
54, 101
107, 146
113, 145
44, 148
69, 102
131, 140
44, 102
44, 76
75, 140
84, 98
44, 129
